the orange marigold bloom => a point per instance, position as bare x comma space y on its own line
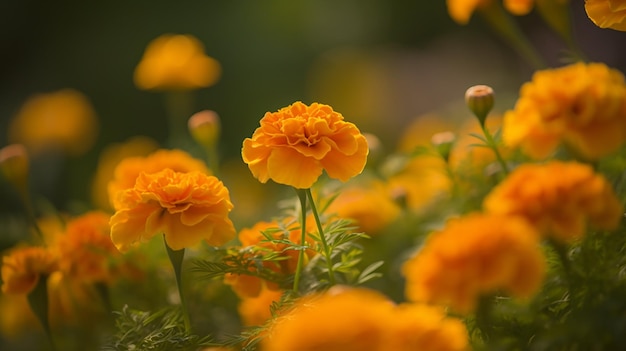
185, 207
559, 198
176, 62
256, 310
63, 119
345, 319
295, 144
607, 13
86, 252
126, 172
461, 10
474, 255
253, 240
22, 268
580, 105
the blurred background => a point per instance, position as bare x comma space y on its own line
381, 63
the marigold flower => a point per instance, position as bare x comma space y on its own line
127, 171
474, 255
256, 310
176, 62
185, 207
108, 160
22, 268
63, 119
345, 319
607, 13
580, 105
295, 144
559, 198
253, 240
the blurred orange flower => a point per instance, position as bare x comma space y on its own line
22, 268
607, 13
559, 198
110, 157
580, 105
295, 144
474, 255
126, 172
256, 310
255, 243
176, 62
63, 120
461, 10
186, 207
345, 319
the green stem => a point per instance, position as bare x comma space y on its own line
325, 247
38, 302
492, 144
176, 258
296, 280
484, 313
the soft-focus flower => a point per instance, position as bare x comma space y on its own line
345, 319
370, 205
559, 198
580, 105
110, 157
256, 310
295, 144
255, 243
176, 62
127, 171
461, 10
607, 13
187, 207
204, 127
63, 120
22, 268
475, 255
86, 252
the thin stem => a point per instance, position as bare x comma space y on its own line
176, 258
38, 302
296, 281
484, 312
327, 252
492, 144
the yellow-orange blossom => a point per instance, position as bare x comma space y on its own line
295, 144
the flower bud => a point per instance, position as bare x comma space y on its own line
479, 99
14, 165
443, 143
204, 127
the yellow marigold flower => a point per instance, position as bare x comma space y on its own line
607, 13
345, 319
127, 171
110, 157
256, 310
22, 268
86, 252
559, 198
185, 207
295, 144
370, 205
461, 10
176, 62
474, 255
63, 120
252, 238
580, 105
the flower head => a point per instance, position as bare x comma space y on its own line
63, 119
474, 255
561, 205
126, 172
22, 268
295, 144
176, 62
580, 105
186, 207
607, 13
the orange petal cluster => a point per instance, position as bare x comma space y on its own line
22, 268
579, 105
187, 207
294, 145
607, 13
559, 198
351, 319
474, 255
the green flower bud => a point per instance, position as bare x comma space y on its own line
479, 99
